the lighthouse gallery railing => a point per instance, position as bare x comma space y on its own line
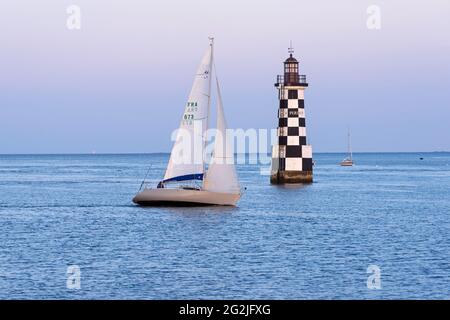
293, 80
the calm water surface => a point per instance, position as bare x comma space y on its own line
315, 241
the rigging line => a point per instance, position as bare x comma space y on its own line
215, 70
143, 181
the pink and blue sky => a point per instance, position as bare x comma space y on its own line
120, 83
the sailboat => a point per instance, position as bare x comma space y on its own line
187, 181
348, 161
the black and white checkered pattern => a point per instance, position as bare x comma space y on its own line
292, 152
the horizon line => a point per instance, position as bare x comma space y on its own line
246, 153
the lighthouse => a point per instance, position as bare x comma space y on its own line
292, 156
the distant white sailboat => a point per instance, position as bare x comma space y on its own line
189, 183
348, 161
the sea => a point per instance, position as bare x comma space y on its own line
378, 230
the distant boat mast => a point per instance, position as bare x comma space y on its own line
349, 144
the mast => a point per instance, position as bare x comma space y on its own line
205, 138
349, 145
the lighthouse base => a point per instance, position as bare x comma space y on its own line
288, 177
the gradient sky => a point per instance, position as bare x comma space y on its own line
120, 83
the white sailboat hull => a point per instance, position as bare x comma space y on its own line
347, 163
182, 197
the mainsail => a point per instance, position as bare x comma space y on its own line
187, 156
221, 175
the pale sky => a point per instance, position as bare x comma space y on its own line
120, 83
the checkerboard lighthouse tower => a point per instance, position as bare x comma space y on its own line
292, 156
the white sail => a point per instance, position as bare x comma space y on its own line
221, 176
187, 156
